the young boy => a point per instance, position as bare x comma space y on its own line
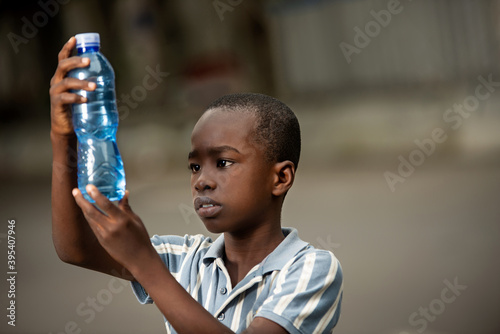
256, 277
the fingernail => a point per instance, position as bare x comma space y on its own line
74, 192
92, 85
90, 189
85, 60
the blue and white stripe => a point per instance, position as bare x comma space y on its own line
297, 286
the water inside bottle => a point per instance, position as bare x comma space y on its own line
95, 124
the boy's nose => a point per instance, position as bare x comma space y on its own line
204, 183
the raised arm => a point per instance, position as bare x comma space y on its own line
74, 241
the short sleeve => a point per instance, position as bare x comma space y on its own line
140, 293
177, 253
307, 294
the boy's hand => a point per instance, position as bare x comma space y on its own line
60, 97
119, 230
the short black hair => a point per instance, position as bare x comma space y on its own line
277, 127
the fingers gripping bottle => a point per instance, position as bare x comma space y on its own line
96, 122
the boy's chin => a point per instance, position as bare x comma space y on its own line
213, 225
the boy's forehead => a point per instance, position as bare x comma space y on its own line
217, 128
224, 120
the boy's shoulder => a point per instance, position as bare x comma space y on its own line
318, 253
297, 250
321, 261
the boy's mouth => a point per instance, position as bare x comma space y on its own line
206, 207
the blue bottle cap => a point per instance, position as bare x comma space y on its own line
89, 39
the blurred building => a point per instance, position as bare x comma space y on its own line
379, 73
329, 45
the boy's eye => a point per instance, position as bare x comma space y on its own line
223, 163
194, 168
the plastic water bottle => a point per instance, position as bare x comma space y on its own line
96, 123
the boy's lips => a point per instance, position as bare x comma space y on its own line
206, 207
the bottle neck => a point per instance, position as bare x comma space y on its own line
86, 49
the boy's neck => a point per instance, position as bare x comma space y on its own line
242, 253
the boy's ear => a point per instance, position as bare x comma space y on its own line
283, 177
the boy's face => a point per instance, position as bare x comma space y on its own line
231, 180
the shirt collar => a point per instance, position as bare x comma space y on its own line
287, 249
216, 250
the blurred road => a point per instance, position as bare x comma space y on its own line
399, 251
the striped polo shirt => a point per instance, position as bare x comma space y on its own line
297, 286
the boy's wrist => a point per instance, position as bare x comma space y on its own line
150, 270
62, 144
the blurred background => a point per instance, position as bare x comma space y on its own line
400, 173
